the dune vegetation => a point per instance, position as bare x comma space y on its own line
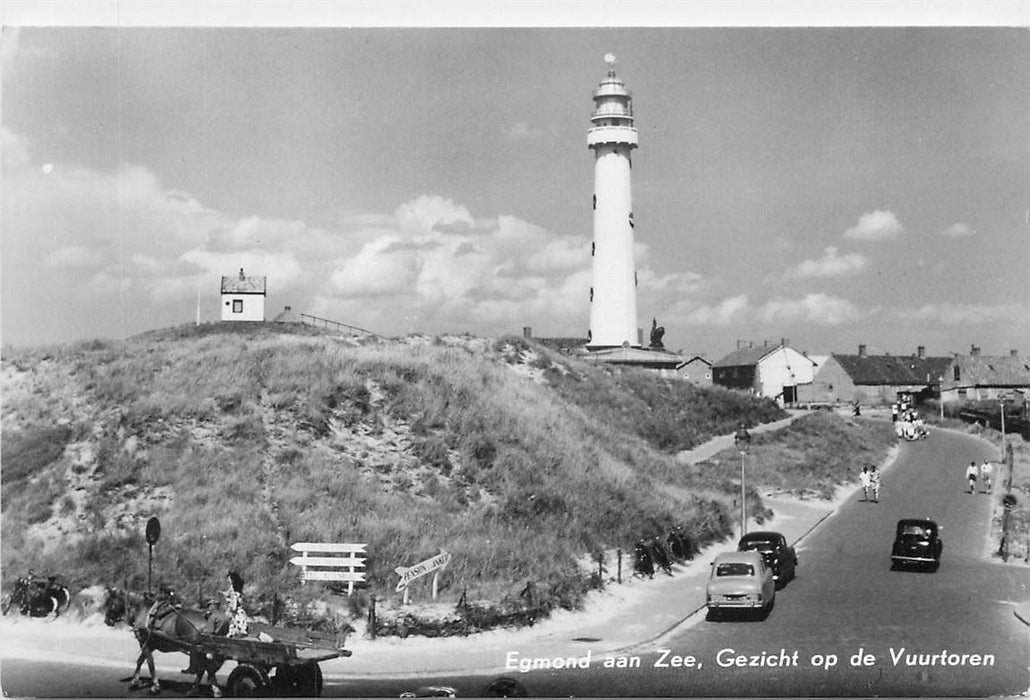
243, 438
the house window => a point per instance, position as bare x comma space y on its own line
957, 373
237, 306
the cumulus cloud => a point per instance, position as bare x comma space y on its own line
957, 230
819, 309
729, 311
831, 264
876, 226
121, 237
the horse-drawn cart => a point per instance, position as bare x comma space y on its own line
286, 665
270, 661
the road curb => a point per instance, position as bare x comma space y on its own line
1022, 613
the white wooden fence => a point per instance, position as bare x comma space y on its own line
326, 561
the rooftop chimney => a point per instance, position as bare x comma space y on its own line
974, 351
1013, 353
921, 351
861, 350
527, 331
784, 342
241, 273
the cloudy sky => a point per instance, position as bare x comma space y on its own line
833, 186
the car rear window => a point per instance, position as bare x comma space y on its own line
914, 531
735, 569
758, 546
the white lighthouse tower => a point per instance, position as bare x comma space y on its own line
612, 137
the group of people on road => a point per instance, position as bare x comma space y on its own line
870, 478
908, 424
983, 474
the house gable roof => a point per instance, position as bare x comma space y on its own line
243, 285
986, 370
747, 357
893, 369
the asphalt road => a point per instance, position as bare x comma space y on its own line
847, 626
849, 609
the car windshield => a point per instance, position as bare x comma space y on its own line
758, 546
735, 569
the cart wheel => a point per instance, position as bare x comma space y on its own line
303, 680
246, 681
309, 680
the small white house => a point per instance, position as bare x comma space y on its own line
773, 371
243, 298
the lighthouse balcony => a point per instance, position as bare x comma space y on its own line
611, 134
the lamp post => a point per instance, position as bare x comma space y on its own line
742, 439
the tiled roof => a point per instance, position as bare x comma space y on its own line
745, 357
889, 370
243, 285
986, 370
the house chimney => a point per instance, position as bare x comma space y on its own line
1013, 353
784, 342
921, 351
974, 351
527, 332
241, 273
861, 350
288, 308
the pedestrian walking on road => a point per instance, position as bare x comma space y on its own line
867, 482
986, 470
874, 483
971, 473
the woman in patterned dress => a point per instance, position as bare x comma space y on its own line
234, 606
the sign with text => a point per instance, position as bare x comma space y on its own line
329, 561
410, 573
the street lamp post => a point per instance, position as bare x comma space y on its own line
742, 439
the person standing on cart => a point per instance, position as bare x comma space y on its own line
238, 620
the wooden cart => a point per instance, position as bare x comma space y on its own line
284, 666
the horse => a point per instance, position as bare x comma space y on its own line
161, 626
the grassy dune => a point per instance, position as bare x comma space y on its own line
245, 438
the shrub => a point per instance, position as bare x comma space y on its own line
30, 451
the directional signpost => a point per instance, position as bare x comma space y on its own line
432, 565
333, 562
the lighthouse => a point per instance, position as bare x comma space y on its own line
612, 137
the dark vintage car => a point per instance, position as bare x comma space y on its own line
778, 554
917, 542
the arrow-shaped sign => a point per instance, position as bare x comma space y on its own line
410, 573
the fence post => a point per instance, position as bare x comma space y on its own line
372, 622
600, 570
618, 575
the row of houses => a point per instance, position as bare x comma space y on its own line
780, 372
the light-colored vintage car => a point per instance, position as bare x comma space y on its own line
740, 581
